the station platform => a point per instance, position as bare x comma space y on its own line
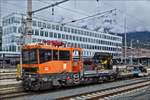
7, 70
9, 82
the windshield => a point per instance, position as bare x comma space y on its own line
29, 57
48, 55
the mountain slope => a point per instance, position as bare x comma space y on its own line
140, 39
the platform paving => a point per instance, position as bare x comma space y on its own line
9, 82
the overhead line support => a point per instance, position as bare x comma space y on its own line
52, 5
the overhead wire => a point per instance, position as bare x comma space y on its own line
68, 9
78, 11
20, 10
56, 6
74, 12
18, 6
89, 16
95, 0
117, 9
128, 15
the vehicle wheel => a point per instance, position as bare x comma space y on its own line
36, 87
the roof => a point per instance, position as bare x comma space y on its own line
45, 46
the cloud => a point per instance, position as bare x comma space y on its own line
136, 12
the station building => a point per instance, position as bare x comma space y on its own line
90, 41
138, 52
0, 38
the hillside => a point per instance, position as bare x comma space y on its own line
140, 39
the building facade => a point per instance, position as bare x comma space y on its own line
1, 38
90, 41
138, 52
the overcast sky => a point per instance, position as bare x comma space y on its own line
137, 12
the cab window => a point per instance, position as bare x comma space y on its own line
29, 56
45, 55
64, 55
55, 54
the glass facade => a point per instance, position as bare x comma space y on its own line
90, 41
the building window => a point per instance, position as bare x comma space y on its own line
59, 35
63, 36
39, 24
84, 32
79, 45
86, 40
17, 20
77, 39
41, 33
55, 35
50, 34
83, 39
32, 32
13, 48
81, 32
53, 27
88, 33
33, 40
34, 23
44, 25
61, 28
46, 33
19, 30
67, 37
78, 31
72, 30
57, 27
75, 30
49, 26
80, 38
36, 32
65, 29
68, 30
14, 29
3, 23
70, 37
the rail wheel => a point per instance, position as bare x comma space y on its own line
36, 86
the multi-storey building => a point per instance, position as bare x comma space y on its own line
0, 38
90, 41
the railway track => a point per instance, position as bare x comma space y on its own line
8, 70
8, 84
7, 74
13, 91
109, 92
17, 91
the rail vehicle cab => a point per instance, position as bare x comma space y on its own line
47, 65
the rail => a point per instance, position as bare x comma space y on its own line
101, 94
17, 91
